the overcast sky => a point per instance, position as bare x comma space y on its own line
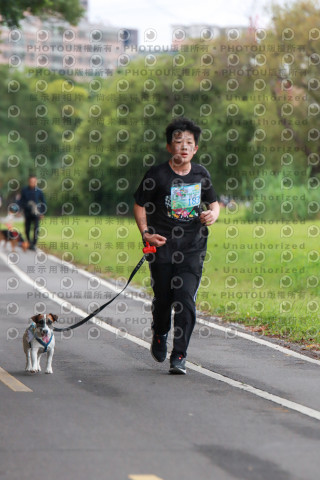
161, 14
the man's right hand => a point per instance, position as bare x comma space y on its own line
154, 239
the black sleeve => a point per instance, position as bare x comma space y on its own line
146, 191
208, 192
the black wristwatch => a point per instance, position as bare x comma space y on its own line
145, 231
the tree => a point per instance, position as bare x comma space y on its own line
13, 11
15, 164
291, 70
126, 137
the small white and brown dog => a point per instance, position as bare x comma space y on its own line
39, 339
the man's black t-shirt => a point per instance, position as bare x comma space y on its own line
173, 205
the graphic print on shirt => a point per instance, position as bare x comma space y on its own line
185, 201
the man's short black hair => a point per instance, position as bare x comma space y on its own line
183, 124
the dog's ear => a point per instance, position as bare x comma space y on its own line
54, 317
36, 318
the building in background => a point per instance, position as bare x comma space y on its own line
85, 5
81, 51
88, 49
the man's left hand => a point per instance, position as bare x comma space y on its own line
208, 217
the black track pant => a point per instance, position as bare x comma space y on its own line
29, 221
175, 286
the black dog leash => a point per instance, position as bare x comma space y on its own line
146, 250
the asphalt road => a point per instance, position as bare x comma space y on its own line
109, 411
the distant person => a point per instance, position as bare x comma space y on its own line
33, 205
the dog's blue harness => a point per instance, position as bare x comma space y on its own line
44, 344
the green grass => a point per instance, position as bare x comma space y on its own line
263, 275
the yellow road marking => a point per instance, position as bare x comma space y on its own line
144, 477
12, 382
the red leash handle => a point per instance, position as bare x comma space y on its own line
149, 248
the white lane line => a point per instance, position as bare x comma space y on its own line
232, 331
236, 333
310, 412
78, 311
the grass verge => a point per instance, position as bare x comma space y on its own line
265, 275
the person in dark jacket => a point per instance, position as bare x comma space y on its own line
33, 204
